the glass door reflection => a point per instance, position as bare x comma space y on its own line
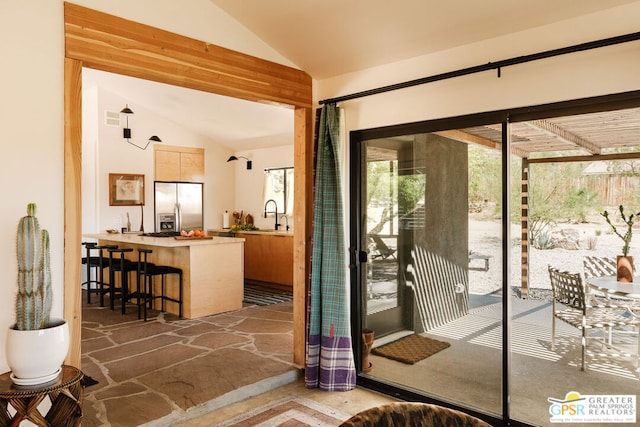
434, 266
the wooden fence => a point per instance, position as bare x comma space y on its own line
614, 190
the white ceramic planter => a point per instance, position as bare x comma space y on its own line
35, 357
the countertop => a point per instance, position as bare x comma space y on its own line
264, 232
168, 242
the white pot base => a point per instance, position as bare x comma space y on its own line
25, 356
34, 381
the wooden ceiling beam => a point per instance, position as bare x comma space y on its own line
466, 137
469, 138
594, 158
564, 135
110, 43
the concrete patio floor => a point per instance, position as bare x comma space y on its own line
469, 373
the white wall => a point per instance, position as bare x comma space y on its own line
32, 117
105, 151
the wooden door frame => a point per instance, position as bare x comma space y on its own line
105, 42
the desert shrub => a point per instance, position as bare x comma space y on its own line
540, 232
580, 203
543, 241
485, 178
592, 242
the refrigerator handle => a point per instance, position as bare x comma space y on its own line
178, 213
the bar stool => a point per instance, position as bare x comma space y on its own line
104, 263
91, 263
97, 264
148, 271
124, 267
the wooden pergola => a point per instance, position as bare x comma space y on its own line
602, 136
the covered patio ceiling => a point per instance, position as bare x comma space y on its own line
615, 133
601, 136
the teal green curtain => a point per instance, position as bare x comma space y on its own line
330, 363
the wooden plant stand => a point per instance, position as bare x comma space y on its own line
66, 400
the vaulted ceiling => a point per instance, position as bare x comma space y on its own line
331, 37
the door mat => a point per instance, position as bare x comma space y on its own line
410, 349
260, 295
289, 411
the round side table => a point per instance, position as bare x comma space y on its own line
65, 393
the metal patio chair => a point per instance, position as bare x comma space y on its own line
600, 266
571, 305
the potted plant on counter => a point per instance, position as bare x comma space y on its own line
624, 261
36, 345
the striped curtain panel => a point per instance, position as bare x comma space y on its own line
330, 365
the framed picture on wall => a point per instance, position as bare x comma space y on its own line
126, 189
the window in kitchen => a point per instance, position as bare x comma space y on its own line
278, 185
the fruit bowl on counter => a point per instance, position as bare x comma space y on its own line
192, 235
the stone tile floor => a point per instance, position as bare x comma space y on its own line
347, 403
163, 368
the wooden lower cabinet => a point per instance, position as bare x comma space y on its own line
268, 258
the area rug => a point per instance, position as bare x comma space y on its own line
289, 411
410, 349
260, 295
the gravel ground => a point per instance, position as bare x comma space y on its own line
484, 238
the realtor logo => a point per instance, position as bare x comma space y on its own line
576, 408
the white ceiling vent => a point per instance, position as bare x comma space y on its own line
112, 118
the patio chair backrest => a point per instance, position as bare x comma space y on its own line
598, 266
380, 247
567, 288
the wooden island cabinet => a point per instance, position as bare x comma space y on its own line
268, 257
212, 269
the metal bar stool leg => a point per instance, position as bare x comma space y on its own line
124, 267
180, 293
145, 289
89, 263
103, 263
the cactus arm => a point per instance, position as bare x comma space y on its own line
45, 272
626, 237
34, 298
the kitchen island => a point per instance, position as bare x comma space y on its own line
212, 269
268, 257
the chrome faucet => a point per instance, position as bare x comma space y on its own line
286, 220
275, 212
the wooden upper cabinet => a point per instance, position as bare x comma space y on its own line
167, 165
192, 166
174, 163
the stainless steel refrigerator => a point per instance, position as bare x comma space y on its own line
178, 206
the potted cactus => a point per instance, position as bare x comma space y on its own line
624, 261
36, 345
